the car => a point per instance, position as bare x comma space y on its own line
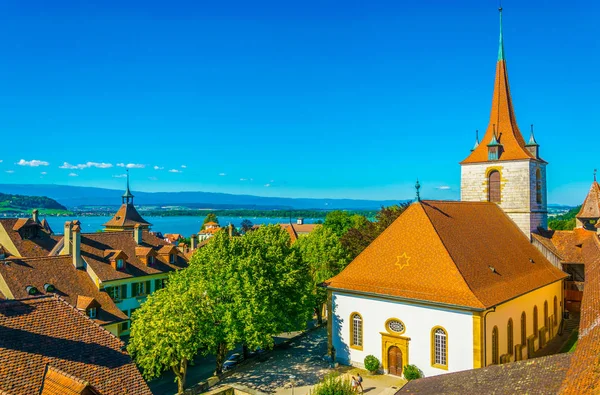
232, 362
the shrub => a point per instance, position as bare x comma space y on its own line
371, 363
411, 372
333, 384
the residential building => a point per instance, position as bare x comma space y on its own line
49, 347
26, 237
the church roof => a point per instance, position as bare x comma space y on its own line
591, 204
468, 254
127, 216
502, 118
566, 244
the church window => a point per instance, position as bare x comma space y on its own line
546, 313
395, 326
555, 311
538, 186
535, 321
494, 193
523, 329
356, 331
495, 350
439, 340
509, 336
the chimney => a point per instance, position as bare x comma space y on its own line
193, 242
35, 216
137, 234
230, 230
67, 237
76, 252
300, 221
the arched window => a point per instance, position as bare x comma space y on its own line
538, 186
439, 347
495, 346
509, 336
545, 313
494, 194
535, 321
523, 329
356, 331
555, 311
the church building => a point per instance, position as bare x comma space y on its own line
127, 217
451, 286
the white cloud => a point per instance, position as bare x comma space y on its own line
10, 171
1, 161
72, 175
32, 163
152, 178
243, 179
183, 166
175, 171
67, 165
158, 168
222, 174
267, 185
120, 176
43, 173
131, 165
443, 187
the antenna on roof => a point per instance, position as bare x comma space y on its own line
417, 187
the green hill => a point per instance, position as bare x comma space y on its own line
564, 221
21, 203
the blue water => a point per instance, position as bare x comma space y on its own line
183, 225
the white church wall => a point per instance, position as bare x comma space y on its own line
419, 320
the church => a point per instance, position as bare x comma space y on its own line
456, 285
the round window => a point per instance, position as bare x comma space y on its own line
396, 326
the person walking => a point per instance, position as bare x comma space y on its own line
359, 380
354, 384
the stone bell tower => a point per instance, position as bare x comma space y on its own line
503, 168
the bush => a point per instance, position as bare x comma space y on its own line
411, 372
333, 384
371, 363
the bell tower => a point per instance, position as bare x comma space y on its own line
503, 168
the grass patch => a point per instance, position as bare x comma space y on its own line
571, 343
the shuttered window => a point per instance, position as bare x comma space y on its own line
494, 193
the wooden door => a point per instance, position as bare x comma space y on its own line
395, 361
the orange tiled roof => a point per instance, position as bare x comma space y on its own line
69, 283
127, 216
583, 376
591, 204
94, 245
85, 302
566, 244
36, 247
57, 382
173, 237
46, 331
444, 252
503, 116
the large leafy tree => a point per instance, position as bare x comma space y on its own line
210, 217
246, 225
341, 221
322, 251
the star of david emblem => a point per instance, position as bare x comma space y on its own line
402, 260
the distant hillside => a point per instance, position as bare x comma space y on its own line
20, 203
73, 197
565, 221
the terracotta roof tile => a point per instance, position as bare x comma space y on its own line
85, 302
458, 253
42, 331
69, 283
127, 216
591, 205
57, 382
38, 246
566, 243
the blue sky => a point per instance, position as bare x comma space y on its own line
304, 99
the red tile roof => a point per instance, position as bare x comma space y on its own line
127, 217
69, 283
57, 382
591, 205
459, 253
566, 244
36, 247
46, 331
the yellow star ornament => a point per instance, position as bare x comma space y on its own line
402, 260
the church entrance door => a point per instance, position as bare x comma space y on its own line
395, 361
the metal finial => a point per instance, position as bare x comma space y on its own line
417, 187
476, 141
595, 171
501, 40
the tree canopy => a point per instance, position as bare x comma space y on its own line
210, 217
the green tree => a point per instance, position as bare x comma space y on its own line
166, 331
210, 217
322, 251
246, 225
341, 221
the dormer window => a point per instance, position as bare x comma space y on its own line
92, 311
120, 264
172, 258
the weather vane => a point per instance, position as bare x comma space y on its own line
417, 187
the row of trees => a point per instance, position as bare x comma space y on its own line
245, 290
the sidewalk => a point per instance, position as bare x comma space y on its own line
555, 345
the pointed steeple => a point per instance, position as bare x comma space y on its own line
127, 196
502, 115
476, 140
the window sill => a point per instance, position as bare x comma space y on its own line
438, 366
359, 348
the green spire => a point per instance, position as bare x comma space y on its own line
127, 195
501, 43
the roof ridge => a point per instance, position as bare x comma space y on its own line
36, 258
451, 257
70, 376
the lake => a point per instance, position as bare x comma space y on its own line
185, 225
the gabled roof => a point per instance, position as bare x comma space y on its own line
47, 331
94, 245
69, 283
57, 382
591, 205
566, 244
127, 216
86, 302
467, 254
25, 222
503, 121
35, 247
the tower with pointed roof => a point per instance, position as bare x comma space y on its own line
588, 216
127, 217
503, 168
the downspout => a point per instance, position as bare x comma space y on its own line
485, 335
